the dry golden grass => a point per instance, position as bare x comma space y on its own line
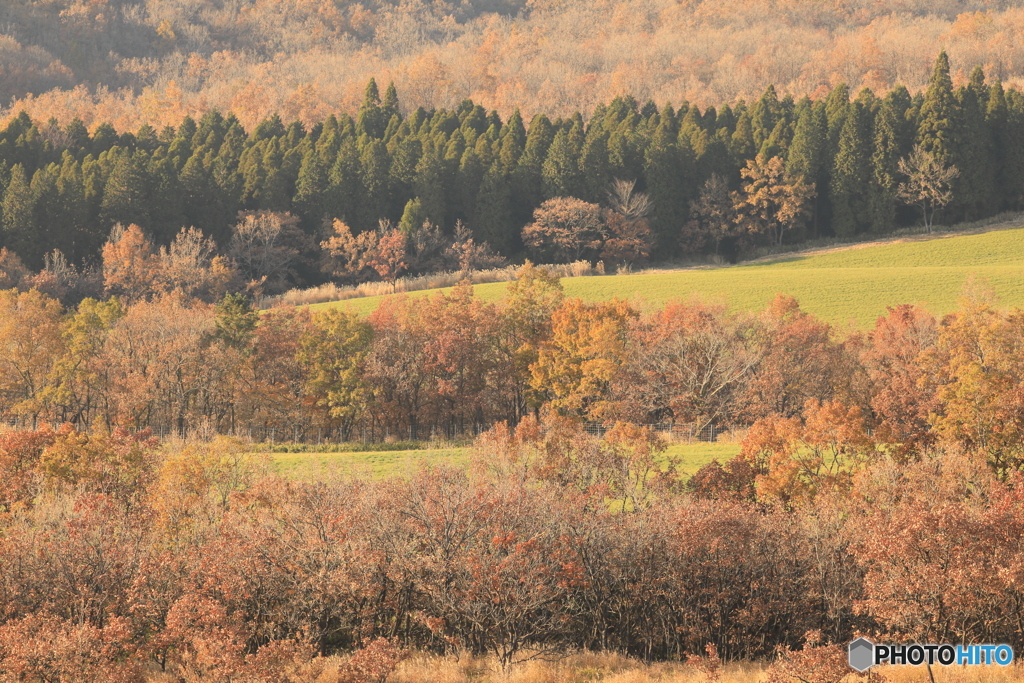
333, 292
614, 668
576, 668
954, 674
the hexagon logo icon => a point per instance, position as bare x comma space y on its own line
862, 654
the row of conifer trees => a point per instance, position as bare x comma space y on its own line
64, 187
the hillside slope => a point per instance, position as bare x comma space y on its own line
848, 286
153, 61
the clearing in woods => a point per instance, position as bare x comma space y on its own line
380, 465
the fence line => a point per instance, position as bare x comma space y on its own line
687, 432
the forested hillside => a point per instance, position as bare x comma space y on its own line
371, 196
153, 61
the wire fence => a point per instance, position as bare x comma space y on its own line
686, 433
683, 433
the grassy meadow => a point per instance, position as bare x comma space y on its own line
380, 465
848, 286
614, 668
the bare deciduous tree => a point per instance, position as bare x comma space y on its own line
628, 238
261, 247
347, 256
190, 264
929, 183
468, 254
625, 201
712, 217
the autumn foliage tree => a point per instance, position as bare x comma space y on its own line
588, 344
770, 202
565, 227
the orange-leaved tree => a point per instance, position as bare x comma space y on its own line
799, 457
588, 346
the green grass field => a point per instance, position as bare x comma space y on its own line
312, 466
378, 465
848, 286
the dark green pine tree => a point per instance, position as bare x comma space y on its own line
764, 117
374, 172
713, 156
936, 127
311, 187
19, 233
268, 129
577, 133
488, 146
1006, 143
181, 146
254, 177
331, 126
594, 165
19, 229
236, 321
273, 195
76, 235
777, 143
807, 157
345, 184
494, 221
104, 138
126, 193
467, 184
165, 200
742, 143
670, 178
93, 180
810, 137
560, 172
291, 164
527, 190
211, 130
394, 124
197, 190
851, 174
625, 160
618, 110
77, 136
513, 141
975, 151
1014, 150
293, 138
444, 122
226, 176
370, 120
837, 105
412, 217
389, 107
28, 150
327, 144
429, 184
405, 151
892, 142
473, 123
146, 138
726, 120
691, 126
453, 152
46, 218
